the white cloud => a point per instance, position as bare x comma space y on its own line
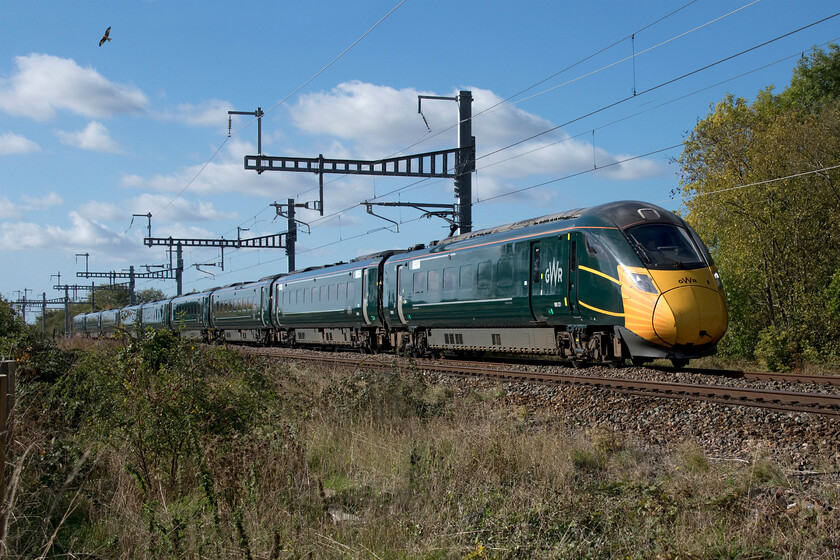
104, 211
11, 143
378, 121
44, 84
175, 211
361, 120
44, 202
378, 118
82, 235
226, 174
8, 209
93, 137
213, 112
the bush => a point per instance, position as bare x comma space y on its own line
832, 295
776, 349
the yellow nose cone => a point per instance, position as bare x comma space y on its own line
690, 315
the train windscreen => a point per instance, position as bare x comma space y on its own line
665, 246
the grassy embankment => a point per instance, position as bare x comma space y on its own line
162, 449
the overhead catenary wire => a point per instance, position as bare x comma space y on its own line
589, 114
604, 166
506, 102
630, 97
273, 107
427, 137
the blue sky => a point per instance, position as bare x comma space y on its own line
90, 135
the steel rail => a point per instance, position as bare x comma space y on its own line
785, 401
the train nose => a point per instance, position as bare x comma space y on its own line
690, 315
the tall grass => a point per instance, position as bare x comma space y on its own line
162, 449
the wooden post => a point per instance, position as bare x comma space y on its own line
4, 388
7, 403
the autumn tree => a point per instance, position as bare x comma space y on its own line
758, 183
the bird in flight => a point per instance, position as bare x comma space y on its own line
105, 37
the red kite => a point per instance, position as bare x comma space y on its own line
105, 37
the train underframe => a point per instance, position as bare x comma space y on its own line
579, 344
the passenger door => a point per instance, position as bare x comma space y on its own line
370, 289
547, 279
576, 244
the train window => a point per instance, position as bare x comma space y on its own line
504, 272
434, 280
332, 290
313, 295
536, 269
665, 246
322, 294
450, 279
351, 291
467, 277
419, 280
485, 274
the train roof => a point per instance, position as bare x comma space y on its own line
565, 215
622, 214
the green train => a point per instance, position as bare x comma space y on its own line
624, 280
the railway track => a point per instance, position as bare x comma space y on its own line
777, 400
804, 379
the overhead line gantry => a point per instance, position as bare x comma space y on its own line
457, 163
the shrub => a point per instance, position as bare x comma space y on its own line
776, 349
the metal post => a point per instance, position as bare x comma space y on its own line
131, 297
466, 162
179, 269
44, 313
92, 296
321, 182
291, 236
66, 311
259, 115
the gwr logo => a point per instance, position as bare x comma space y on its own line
554, 273
688, 280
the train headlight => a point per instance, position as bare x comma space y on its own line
717, 280
644, 283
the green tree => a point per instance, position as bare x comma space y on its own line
110, 297
816, 80
11, 327
757, 187
150, 294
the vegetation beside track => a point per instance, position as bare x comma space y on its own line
178, 450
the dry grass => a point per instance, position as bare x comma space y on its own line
371, 465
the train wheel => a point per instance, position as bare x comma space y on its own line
679, 363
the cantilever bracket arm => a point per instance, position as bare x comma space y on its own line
446, 212
199, 265
370, 211
285, 214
